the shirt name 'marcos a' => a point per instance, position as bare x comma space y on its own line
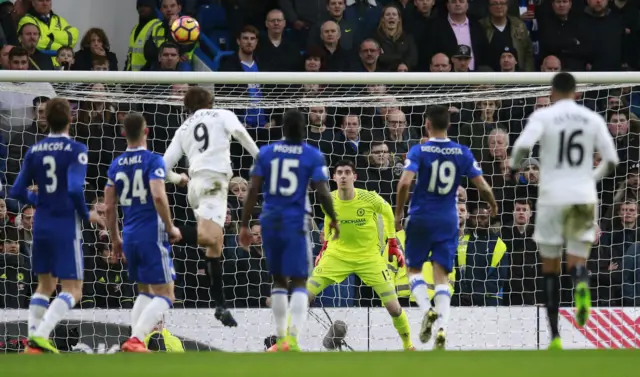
293, 149
51, 147
137, 159
435, 149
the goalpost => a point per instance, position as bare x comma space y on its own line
480, 104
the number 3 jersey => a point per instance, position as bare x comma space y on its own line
439, 165
131, 173
205, 138
569, 134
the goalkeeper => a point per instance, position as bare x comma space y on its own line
359, 248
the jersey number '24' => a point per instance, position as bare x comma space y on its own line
138, 191
283, 169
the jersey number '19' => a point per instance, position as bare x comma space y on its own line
282, 169
138, 188
567, 148
443, 176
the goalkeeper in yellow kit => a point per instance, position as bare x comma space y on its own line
359, 248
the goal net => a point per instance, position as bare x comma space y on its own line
372, 120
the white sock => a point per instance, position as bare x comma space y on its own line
150, 317
280, 309
299, 308
57, 310
141, 302
37, 307
442, 299
420, 292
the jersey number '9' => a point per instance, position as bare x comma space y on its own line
567, 146
201, 134
138, 188
443, 176
281, 169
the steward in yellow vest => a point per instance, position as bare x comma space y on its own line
55, 31
140, 34
160, 34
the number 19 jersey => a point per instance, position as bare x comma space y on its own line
432, 226
286, 169
144, 237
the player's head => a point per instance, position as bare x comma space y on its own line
293, 126
563, 86
344, 174
135, 128
437, 120
197, 98
58, 115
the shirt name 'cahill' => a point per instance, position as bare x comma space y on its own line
137, 159
436, 149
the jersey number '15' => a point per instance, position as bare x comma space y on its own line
129, 190
282, 169
443, 176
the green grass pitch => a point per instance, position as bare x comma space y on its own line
583, 363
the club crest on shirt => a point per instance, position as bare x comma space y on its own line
360, 212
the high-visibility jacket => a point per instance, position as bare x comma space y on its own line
159, 36
53, 35
135, 57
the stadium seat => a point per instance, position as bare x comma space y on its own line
212, 17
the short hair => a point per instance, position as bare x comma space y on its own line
64, 48
197, 98
99, 60
439, 117
27, 24
166, 45
248, 29
58, 114
40, 99
611, 113
348, 163
11, 234
564, 82
293, 124
17, 51
134, 125
524, 202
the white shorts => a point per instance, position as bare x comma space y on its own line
559, 224
208, 195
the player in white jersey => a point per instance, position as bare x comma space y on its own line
205, 139
569, 134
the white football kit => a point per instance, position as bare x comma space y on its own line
205, 138
569, 134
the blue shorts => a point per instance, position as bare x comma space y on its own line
59, 255
288, 253
430, 240
149, 262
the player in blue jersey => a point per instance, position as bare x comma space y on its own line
432, 225
136, 182
58, 166
283, 171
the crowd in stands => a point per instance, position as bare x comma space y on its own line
500, 265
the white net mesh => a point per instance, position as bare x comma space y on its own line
374, 125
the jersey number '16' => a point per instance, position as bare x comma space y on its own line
282, 169
138, 191
443, 176
571, 149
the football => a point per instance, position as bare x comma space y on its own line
185, 30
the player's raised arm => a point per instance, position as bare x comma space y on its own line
171, 157
525, 142
607, 149
411, 166
157, 175
237, 130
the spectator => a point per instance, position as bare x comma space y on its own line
440, 63
525, 276
368, 55
509, 60
381, 171
15, 272
64, 58
417, 19
473, 134
605, 37
161, 34
54, 30
561, 34
277, 52
8, 33
25, 228
140, 34
337, 59
4, 56
551, 64
461, 59
318, 134
303, 15
252, 269
99, 63
485, 267
314, 59
246, 61
348, 142
29, 36
504, 30
365, 12
168, 58
349, 33
94, 43
396, 134
448, 33
21, 141
4, 215
397, 46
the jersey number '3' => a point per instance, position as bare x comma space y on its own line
138, 188
282, 169
50, 163
443, 176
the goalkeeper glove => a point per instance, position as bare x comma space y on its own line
394, 250
324, 246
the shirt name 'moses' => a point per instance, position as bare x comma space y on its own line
293, 149
51, 147
130, 160
435, 149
